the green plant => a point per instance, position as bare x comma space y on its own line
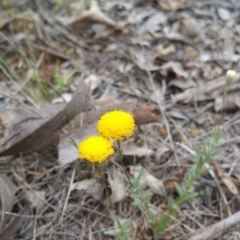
209, 150
142, 196
59, 80
123, 232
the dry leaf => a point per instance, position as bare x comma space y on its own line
175, 67
37, 198
190, 27
169, 183
224, 14
185, 97
117, 185
171, 5
92, 186
136, 151
182, 83
155, 184
230, 102
7, 195
84, 184
143, 60
84, 18
93, 81
160, 151
164, 51
226, 180
237, 175
153, 24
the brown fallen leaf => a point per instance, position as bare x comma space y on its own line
7, 195
117, 184
237, 175
185, 96
82, 19
230, 102
92, 186
24, 135
171, 5
169, 183
226, 180
174, 67
143, 60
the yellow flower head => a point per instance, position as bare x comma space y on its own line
116, 125
95, 149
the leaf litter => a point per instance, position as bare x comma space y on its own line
169, 56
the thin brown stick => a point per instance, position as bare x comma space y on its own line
218, 228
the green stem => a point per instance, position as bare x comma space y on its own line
100, 171
146, 206
121, 159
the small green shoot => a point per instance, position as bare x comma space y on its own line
61, 81
121, 233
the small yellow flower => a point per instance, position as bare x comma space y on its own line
116, 125
95, 149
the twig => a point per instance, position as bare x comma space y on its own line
217, 228
68, 194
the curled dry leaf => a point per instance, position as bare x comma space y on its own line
37, 198
7, 196
226, 180
160, 151
185, 97
169, 183
92, 186
117, 185
183, 83
143, 60
82, 19
155, 184
152, 25
164, 51
230, 102
175, 67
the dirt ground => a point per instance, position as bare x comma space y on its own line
165, 61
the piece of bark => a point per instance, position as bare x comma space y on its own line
19, 123
23, 134
218, 228
142, 114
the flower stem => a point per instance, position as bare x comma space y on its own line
100, 171
121, 159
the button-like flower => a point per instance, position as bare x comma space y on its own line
95, 149
116, 125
